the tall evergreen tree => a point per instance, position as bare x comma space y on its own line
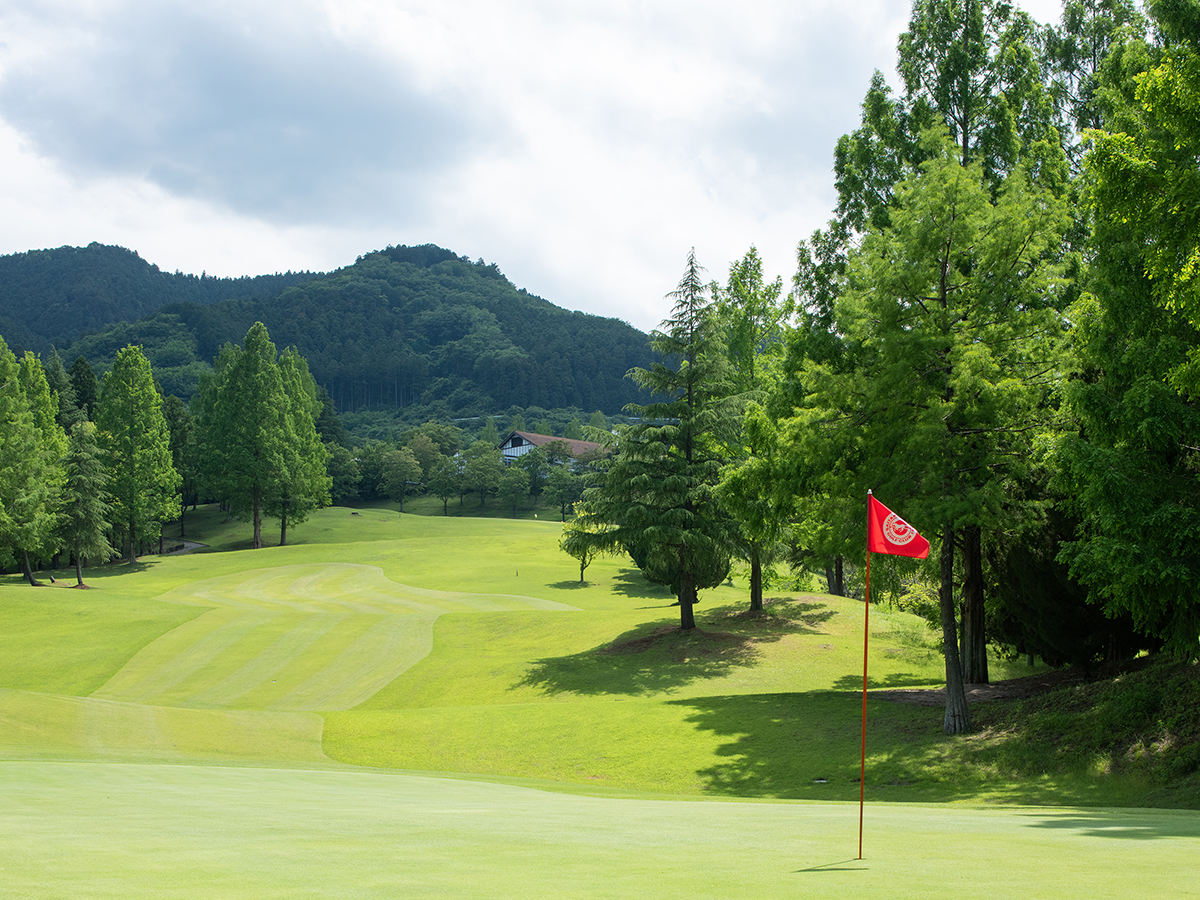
86, 511
657, 500
305, 483
40, 529
246, 427
87, 388
136, 444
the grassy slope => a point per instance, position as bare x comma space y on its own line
469, 646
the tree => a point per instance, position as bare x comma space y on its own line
1148, 174
343, 473
444, 481
87, 389
247, 427
514, 486
426, 452
60, 384
657, 500
86, 510
24, 495
752, 317
1128, 471
579, 537
136, 443
563, 488
304, 483
950, 312
400, 469
536, 469
40, 525
482, 469
183, 450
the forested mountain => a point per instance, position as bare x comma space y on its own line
405, 326
51, 297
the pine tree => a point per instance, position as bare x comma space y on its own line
657, 500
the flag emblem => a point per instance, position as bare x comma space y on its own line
897, 530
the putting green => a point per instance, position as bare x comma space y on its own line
117, 831
299, 637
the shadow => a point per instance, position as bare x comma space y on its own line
845, 865
631, 583
796, 746
653, 658
894, 680
779, 616
1129, 825
573, 585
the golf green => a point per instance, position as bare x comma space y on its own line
85, 830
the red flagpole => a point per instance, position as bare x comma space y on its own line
862, 774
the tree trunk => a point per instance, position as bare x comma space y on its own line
973, 640
78, 571
283, 528
257, 507
838, 577
29, 569
958, 718
687, 601
756, 592
132, 542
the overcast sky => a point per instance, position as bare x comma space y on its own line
583, 147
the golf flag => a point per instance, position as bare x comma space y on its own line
888, 533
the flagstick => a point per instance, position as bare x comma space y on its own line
862, 775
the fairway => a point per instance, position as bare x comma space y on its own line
425, 706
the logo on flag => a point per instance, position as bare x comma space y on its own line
888, 533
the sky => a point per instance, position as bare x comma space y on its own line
583, 147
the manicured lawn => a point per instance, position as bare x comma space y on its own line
116, 831
255, 723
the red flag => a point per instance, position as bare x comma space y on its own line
888, 533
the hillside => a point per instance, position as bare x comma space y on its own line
404, 327
51, 297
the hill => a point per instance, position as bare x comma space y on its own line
51, 297
405, 327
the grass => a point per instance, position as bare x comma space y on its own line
377, 644
197, 832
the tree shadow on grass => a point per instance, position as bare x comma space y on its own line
652, 658
1124, 824
658, 657
632, 583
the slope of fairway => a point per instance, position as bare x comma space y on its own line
189, 832
43, 726
294, 637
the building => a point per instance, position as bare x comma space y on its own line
519, 443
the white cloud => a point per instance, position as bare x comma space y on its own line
583, 147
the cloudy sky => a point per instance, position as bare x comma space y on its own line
583, 147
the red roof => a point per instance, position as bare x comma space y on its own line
577, 447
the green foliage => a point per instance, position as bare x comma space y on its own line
86, 511
657, 499
136, 443
514, 486
400, 470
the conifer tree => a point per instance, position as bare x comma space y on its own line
45, 462
86, 509
136, 444
657, 500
